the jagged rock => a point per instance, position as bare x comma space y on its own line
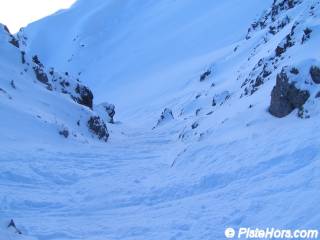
6, 28
276, 27
36, 60
51, 71
13, 225
41, 74
166, 115
271, 17
195, 125
23, 57
14, 42
294, 71
214, 103
205, 75
98, 127
279, 6
306, 35
279, 51
287, 43
315, 74
110, 110
64, 132
13, 85
85, 96
257, 77
286, 97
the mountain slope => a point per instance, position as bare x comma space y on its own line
130, 47
225, 134
40, 105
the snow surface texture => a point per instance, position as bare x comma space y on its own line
220, 160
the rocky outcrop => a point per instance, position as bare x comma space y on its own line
285, 44
315, 74
306, 35
41, 75
12, 40
64, 132
63, 83
272, 17
98, 128
85, 96
13, 226
286, 97
205, 75
80, 123
259, 74
165, 116
110, 110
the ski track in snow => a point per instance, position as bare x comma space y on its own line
128, 190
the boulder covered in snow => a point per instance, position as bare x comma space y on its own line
107, 110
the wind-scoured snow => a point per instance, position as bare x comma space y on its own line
124, 45
195, 147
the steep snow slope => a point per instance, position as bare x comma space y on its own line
215, 158
131, 47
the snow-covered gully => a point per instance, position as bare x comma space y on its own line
163, 120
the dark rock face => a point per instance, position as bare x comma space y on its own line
306, 35
64, 132
278, 7
85, 96
294, 71
39, 71
6, 29
281, 5
40, 74
257, 77
315, 74
288, 43
13, 85
285, 97
98, 127
14, 42
36, 60
279, 51
214, 103
23, 57
195, 125
205, 75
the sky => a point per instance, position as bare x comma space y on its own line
18, 13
